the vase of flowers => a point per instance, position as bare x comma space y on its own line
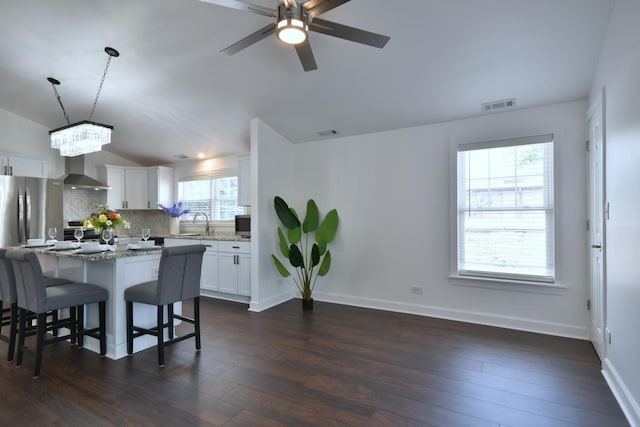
105, 218
174, 212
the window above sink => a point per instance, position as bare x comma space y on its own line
215, 196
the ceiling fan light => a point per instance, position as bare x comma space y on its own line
291, 31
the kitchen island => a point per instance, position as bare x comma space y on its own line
114, 271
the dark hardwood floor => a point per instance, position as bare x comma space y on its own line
336, 366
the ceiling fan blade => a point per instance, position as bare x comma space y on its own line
306, 56
317, 7
348, 33
243, 5
250, 39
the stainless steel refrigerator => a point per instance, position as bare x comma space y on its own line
28, 207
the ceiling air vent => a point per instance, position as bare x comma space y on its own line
331, 132
499, 105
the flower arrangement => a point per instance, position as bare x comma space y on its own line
176, 210
105, 218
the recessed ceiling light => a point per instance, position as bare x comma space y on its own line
201, 155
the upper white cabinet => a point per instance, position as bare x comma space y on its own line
160, 186
22, 166
137, 187
244, 180
113, 176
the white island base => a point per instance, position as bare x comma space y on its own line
114, 273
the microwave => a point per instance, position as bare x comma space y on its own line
243, 225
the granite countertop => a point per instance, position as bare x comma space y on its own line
120, 252
194, 236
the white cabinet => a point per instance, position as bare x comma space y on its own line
113, 176
226, 265
138, 187
136, 194
234, 261
244, 180
209, 278
160, 186
22, 166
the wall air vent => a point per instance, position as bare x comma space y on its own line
331, 132
499, 105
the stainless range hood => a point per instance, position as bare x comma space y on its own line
75, 177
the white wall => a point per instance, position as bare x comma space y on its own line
619, 73
391, 190
271, 175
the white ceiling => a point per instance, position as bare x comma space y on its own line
170, 92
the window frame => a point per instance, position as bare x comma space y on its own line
221, 173
498, 281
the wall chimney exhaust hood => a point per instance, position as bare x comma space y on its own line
75, 177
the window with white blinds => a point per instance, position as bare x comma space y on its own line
505, 209
217, 197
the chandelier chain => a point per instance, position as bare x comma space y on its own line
55, 91
104, 76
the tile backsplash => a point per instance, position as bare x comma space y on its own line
79, 203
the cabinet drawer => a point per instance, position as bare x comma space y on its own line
236, 247
212, 245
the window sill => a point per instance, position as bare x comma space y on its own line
508, 285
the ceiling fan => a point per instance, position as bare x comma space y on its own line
292, 24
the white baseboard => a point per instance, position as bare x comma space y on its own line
270, 302
628, 404
490, 319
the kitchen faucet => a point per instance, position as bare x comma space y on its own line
206, 228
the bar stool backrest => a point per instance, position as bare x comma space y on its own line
30, 288
7, 279
179, 273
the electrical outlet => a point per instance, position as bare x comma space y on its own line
154, 273
416, 290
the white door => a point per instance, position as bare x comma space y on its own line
596, 228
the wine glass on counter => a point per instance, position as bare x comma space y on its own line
78, 233
107, 235
146, 233
52, 232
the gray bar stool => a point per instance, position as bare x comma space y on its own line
34, 296
8, 296
178, 280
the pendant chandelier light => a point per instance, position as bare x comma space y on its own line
85, 136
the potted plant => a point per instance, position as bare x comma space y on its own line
304, 245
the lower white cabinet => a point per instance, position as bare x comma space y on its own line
234, 272
209, 278
226, 265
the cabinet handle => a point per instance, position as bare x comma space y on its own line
10, 170
235, 247
5, 171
